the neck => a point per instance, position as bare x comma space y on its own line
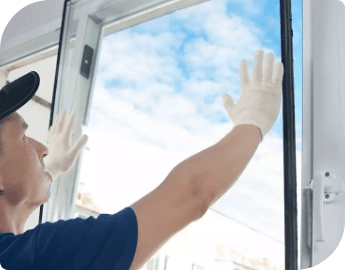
13, 218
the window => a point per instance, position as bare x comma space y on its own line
197, 267
166, 263
156, 100
152, 264
149, 265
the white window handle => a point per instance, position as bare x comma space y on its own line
325, 189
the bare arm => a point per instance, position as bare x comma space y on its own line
190, 189
219, 166
163, 212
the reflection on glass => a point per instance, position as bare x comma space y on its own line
157, 101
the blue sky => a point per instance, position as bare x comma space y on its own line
158, 101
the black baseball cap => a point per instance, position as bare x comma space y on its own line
16, 94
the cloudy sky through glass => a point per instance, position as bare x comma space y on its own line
157, 101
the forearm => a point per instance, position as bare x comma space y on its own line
217, 168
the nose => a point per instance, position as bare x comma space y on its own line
43, 150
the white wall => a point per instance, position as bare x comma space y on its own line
32, 21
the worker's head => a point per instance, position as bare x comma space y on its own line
23, 181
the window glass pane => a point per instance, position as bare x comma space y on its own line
149, 265
157, 101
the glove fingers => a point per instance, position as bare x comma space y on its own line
228, 103
61, 121
257, 68
278, 75
244, 74
54, 127
79, 144
267, 78
70, 125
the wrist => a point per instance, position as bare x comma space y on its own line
251, 130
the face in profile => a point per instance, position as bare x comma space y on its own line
22, 171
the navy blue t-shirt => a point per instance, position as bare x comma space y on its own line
106, 243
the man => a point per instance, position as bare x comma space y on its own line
129, 238
24, 183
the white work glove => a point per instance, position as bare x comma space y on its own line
62, 156
260, 100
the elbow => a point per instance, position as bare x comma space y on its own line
197, 191
203, 193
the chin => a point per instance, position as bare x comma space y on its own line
46, 197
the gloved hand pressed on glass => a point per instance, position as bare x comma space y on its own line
62, 156
261, 98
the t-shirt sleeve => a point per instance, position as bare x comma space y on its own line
107, 242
